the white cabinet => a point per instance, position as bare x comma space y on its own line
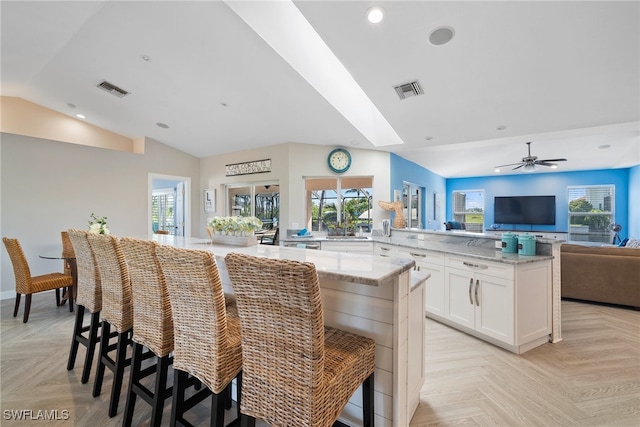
432, 263
506, 304
479, 301
384, 250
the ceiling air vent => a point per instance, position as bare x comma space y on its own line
113, 89
408, 89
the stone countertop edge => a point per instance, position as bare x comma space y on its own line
323, 260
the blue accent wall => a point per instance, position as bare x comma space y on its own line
634, 203
403, 170
625, 181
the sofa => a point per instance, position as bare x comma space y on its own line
606, 274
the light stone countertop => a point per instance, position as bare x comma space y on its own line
468, 251
349, 267
466, 245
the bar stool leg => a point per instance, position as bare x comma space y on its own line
118, 372
92, 342
367, 402
75, 342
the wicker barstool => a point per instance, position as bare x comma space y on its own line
117, 312
207, 337
26, 283
296, 371
152, 328
88, 299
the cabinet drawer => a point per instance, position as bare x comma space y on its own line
495, 269
422, 255
384, 250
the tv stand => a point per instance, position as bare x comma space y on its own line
554, 235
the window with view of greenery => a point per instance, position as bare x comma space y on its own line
261, 200
163, 208
339, 204
468, 208
591, 213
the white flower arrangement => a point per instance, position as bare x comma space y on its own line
98, 224
234, 225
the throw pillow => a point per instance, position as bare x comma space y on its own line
633, 243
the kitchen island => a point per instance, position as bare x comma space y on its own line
366, 295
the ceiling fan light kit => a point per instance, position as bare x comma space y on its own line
530, 163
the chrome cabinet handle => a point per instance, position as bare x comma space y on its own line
477, 286
384, 249
470, 285
385, 256
480, 266
420, 255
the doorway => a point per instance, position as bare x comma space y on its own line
169, 205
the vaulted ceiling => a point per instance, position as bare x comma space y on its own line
228, 76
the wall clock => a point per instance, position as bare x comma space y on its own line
339, 160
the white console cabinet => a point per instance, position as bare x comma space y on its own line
506, 304
479, 296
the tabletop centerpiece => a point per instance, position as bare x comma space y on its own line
98, 224
234, 230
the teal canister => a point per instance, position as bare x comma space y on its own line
509, 243
526, 244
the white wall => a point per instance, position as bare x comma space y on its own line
48, 186
290, 164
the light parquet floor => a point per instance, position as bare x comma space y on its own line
591, 378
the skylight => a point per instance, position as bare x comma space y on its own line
285, 29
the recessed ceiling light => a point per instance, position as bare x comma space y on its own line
80, 116
375, 14
554, 166
604, 147
441, 35
496, 170
145, 58
428, 138
501, 127
162, 125
70, 105
224, 104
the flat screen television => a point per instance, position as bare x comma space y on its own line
534, 210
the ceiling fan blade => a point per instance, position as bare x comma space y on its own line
518, 167
551, 160
510, 164
545, 163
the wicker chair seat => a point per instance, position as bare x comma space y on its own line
46, 282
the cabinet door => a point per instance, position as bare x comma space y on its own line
494, 301
460, 306
435, 287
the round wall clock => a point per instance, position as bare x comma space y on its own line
339, 160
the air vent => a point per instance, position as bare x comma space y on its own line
113, 89
408, 89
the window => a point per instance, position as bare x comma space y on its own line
163, 208
412, 199
591, 211
343, 203
468, 208
261, 200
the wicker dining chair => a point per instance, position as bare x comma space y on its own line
69, 256
206, 333
152, 328
117, 312
88, 300
26, 284
296, 371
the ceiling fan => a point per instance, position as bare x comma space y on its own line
530, 162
